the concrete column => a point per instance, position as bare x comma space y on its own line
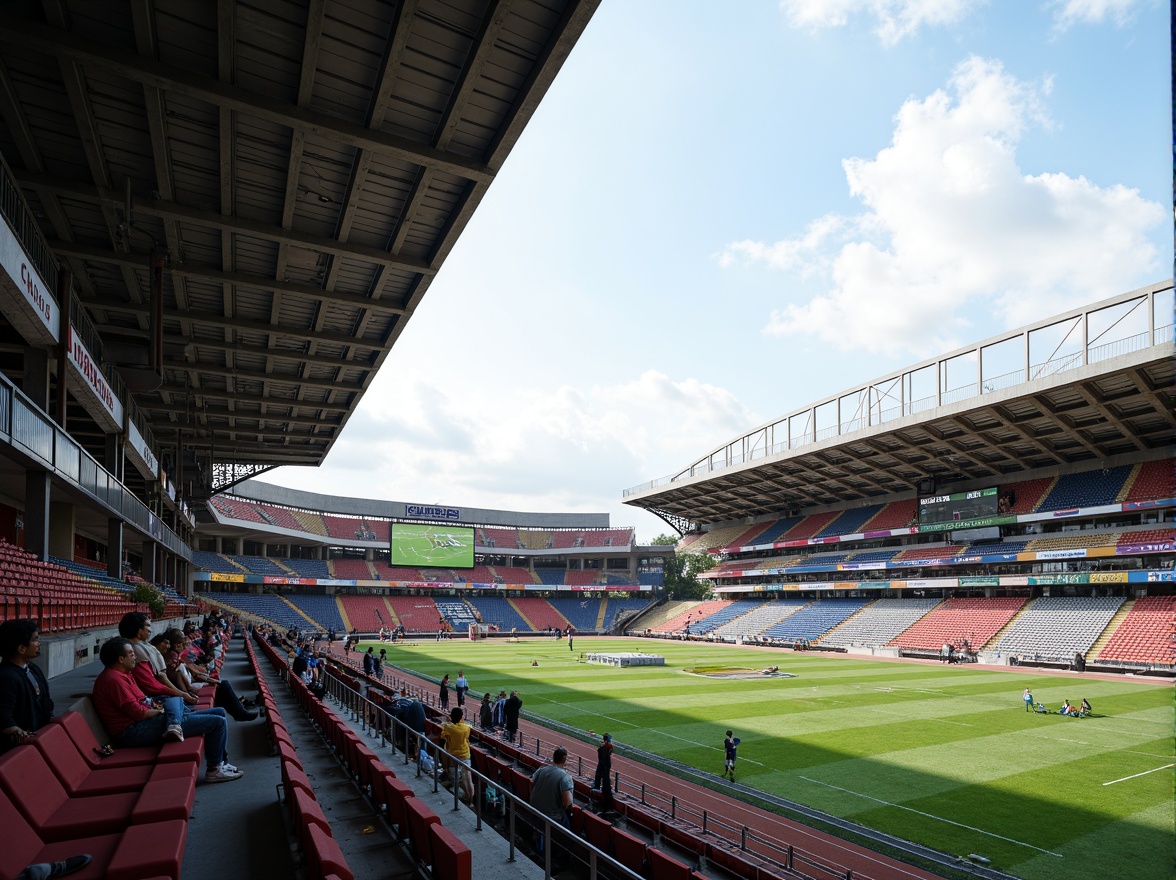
35, 382
114, 547
62, 521
148, 571
115, 458
36, 515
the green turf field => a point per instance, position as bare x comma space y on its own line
945, 756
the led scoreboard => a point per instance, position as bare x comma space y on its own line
960, 507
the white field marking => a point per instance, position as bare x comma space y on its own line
660, 732
936, 818
895, 714
1137, 775
944, 721
1147, 754
1127, 730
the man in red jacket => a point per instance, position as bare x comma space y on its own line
133, 719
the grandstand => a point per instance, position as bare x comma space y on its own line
952, 517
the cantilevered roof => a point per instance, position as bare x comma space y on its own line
305, 168
1085, 389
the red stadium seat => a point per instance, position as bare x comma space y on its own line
452, 859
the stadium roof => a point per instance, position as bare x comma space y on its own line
1088, 387
304, 167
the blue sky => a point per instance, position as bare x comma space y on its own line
724, 212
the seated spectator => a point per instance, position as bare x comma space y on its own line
151, 670
1066, 709
133, 719
25, 705
1086, 710
226, 697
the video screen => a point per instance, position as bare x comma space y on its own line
960, 507
421, 545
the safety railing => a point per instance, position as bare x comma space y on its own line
378, 722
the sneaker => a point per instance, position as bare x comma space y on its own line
222, 774
231, 768
68, 866
173, 734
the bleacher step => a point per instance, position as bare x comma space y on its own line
1105, 635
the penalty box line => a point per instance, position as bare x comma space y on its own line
1137, 775
936, 818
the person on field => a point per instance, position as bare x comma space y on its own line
730, 744
1028, 698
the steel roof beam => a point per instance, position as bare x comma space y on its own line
107, 197
211, 275
30, 35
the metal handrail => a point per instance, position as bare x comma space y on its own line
785, 855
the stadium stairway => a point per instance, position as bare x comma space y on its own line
1105, 635
530, 625
391, 613
343, 614
602, 616
857, 613
302, 613
1000, 634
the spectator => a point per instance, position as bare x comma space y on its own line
25, 705
603, 779
486, 713
500, 709
301, 664
369, 661
132, 719
551, 792
136, 627
455, 733
510, 714
177, 671
410, 713
460, 687
444, 694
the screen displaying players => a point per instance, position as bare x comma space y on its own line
425, 545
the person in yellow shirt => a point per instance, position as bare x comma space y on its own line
455, 734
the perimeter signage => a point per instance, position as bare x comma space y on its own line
93, 385
35, 309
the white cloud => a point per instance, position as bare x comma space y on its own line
1071, 12
896, 19
526, 450
949, 219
